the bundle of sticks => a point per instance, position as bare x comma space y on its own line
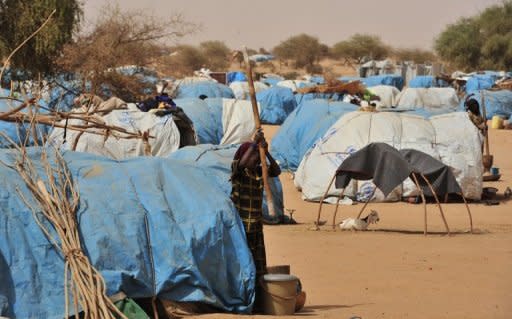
335, 86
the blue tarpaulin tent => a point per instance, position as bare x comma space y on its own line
236, 77
218, 159
374, 80
151, 226
303, 127
480, 82
206, 116
209, 89
276, 104
496, 102
427, 81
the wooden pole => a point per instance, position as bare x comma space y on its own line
322, 201
438, 203
469, 212
257, 124
336, 209
366, 203
484, 114
424, 203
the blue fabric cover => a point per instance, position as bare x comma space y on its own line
427, 81
303, 128
208, 88
496, 103
206, 116
480, 82
152, 226
271, 80
218, 159
317, 79
236, 76
276, 104
386, 79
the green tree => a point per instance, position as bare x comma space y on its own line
415, 55
216, 53
481, 41
20, 18
303, 49
184, 60
360, 47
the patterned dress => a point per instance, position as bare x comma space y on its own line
247, 195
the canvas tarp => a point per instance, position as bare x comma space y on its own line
207, 88
426, 81
451, 138
206, 116
496, 102
151, 226
386, 93
276, 104
237, 121
166, 135
294, 85
303, 127
433, 98
218, 159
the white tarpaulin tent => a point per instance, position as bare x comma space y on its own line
431, 98
386, 93
241, 89
166, 135
237, 121
294, 85
452, 138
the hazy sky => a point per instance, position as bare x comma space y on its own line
265, 23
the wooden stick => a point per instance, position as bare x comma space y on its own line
322, 201
336, 209
424, 203
484, 113
438, 203
469, 212
367, 201
257, 124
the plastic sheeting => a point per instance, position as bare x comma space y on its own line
166, 135
151, 226
236, 77
294, 85
218, 160
496, 103
303, 127
426, 81
433, 98
237, 121
206, 88
387, 79
480, 82
241, 89
386, 93
206, 116
271, 79
451, 138
276, 104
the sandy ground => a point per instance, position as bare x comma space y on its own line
394, 271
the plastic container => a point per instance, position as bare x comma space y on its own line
497, 122
495, 171
279, 294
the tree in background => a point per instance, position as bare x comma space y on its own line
415, 55
483, 41
216, 53
360, 47
183, 61
120, 38
19, 19
304, 50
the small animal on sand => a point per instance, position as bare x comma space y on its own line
360, 223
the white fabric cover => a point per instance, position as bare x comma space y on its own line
166, 141
294, 84
237, 121
451, 138
431, 98
387, 94
241, 89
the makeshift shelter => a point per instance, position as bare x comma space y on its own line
276, 104
303, 127
294, 85
236, 77
147, 233
427, 81
388, 168
496, 102
206, 116
387, 79
386, 93
432, 98
271, 79
451, 138
217, 159
164, 135
204, 89
241, 89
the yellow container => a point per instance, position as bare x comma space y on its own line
497, 122
280, 294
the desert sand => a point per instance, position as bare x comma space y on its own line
393, 270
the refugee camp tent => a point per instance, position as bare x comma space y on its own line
432, 98
295, 84
458, 146
237, 121
151, 226
303, 127
165, 132
271, 79
496, 102
276, 104
427, 81
261, 57
478, 82
386, 93
236, 77
217, 159
241, 89
386, 79
206, 89
206, 116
